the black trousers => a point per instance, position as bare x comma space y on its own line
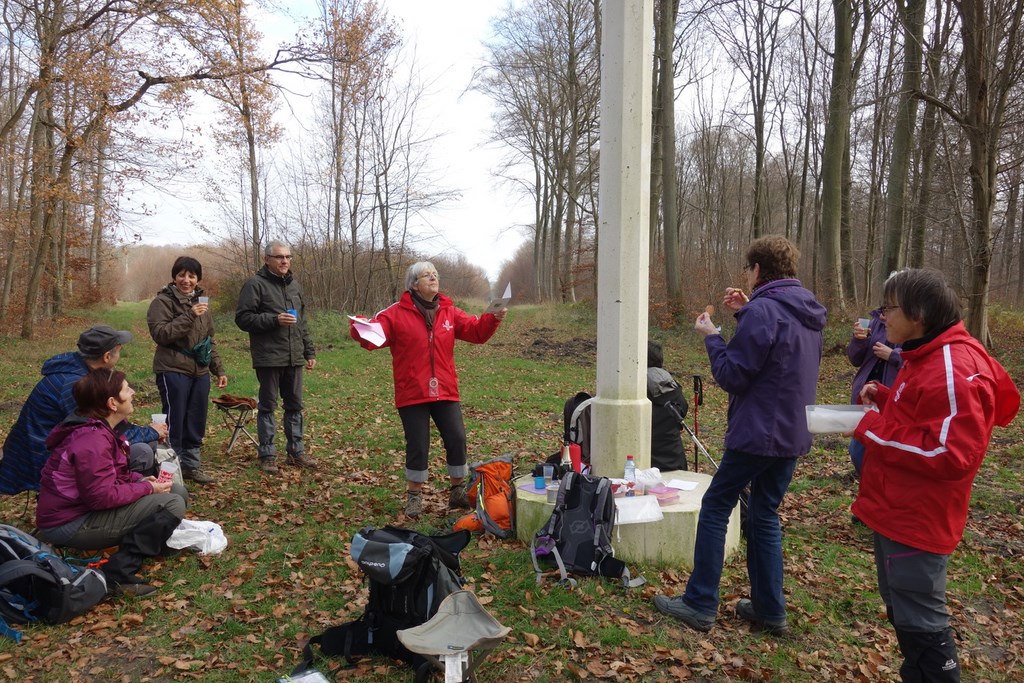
447, 415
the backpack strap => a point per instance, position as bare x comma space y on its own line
8, 632
605, 563
479, 481
548, 545
344, 640
546, 533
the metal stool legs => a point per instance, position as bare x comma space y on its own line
236, 418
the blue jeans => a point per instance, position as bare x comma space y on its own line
856, 455
185, 400
768, 478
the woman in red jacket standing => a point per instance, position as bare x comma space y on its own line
923, 447
420, 329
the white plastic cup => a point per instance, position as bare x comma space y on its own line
865, 322
552, 491
159, 418
204, 300
167, 470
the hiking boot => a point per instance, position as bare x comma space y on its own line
675, 607
268, 465
137, 590
745, 611
457, 497
198, 476
302, 460
413, 503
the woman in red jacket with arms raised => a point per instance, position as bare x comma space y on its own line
420, 329
923, 447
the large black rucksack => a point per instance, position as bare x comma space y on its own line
577, 538
409, 574
37, 584
576, 423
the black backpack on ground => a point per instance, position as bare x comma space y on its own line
38, 585
410, 574
577, 538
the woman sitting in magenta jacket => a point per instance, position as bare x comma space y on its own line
877, 360
420, 329
89, 499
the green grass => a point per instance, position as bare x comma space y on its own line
244, 615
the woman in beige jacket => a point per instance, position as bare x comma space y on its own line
181, 324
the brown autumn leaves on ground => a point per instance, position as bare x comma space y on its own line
244, 615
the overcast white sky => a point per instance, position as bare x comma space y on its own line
484, 223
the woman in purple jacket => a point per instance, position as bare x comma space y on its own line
770, 369
877, 360
89, 499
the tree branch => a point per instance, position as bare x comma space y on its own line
953, 114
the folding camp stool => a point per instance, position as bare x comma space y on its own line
237, 413
456, 639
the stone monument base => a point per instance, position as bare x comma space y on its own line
667, 542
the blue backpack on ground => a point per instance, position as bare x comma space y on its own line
38, 585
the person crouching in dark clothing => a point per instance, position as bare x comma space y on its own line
668, 410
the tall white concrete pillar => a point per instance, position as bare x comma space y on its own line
622, 414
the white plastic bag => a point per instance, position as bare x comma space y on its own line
649, 477
205, 537
638, 509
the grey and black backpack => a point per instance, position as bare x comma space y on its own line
38, 585
409, 575
577, 538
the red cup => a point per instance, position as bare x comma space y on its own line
575, 457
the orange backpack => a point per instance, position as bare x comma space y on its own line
490, 491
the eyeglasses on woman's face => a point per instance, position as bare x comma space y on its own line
884, 310
427, 276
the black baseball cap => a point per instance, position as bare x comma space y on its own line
99, 339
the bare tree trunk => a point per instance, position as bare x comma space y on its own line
993, 70
846, 230
836, 131
912, 14
99, 208
669, 206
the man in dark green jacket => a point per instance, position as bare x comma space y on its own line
271, 309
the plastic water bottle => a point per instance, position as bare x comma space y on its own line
630, 476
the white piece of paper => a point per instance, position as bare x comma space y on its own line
370, 331
500, 303
682, 484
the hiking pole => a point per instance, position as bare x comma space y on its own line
698, 447
698, 400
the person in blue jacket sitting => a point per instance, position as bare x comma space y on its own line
24, 451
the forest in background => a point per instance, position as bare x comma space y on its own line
874, 134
